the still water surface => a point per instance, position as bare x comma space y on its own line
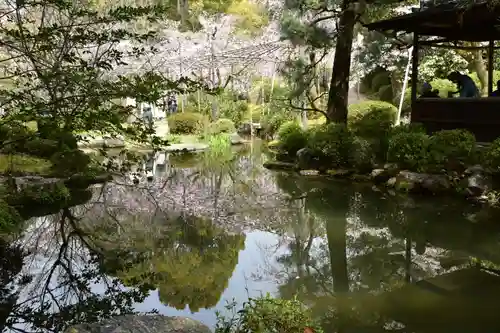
217, 227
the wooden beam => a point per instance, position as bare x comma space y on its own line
457, 47
414, 69
491, 54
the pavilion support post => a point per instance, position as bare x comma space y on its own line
491, 55
414, 69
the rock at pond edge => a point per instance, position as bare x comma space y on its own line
275, 165
142, 324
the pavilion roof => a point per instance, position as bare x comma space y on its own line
476, 22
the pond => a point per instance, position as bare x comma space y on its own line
217, 228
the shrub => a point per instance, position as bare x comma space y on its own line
407, 128
385, 93
221, 126
267, 314
233, 110
256, 114
451, 149
186, 123
331, 144
40, 147
292, 137
492, 155
444, 86
361, 155
409, 150
69, 162
379, 80
174, 139
272, 122
371, 119
406, 108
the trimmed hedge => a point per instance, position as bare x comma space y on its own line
371, 118
292, 137
222, 125
186, 123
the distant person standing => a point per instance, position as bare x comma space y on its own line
148, 116
172, 104
466, 86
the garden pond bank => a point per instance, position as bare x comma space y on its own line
208, 230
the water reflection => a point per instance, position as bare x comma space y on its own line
211, 227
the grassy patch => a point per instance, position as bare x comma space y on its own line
183, 138
24, 164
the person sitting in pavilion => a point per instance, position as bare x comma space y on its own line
466, 86
428, 92
496, 93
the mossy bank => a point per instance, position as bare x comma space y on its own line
404, 158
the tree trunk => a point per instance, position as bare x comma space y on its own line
339, 85
336, 235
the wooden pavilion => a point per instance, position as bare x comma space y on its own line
450, 25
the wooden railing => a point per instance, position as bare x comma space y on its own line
481, 116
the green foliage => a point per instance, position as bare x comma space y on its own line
409, 150
444, 86
44, 148
267, 315
251, 17
496, 77
23, 164
219, 142
64, 90
271, 122
40, 195
406, 107
232, 108
332, 144
264, 91
186, 123
221, 126
362, 155
492, 155
191, 264
371, 118
451, 150
379, 80
292, 137
385, 93
174, 138
9, 218
407, 128
68, 162
439, 62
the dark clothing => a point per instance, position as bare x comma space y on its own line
495, 93
467, 86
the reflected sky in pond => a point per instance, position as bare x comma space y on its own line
215, 227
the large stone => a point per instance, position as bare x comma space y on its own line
477, 181
276, 165
381, 175
236, 139
420, 182
142, 324
304, 158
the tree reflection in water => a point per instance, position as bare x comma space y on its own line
173, 224
53, 289
347, 247
351, 251
190, 262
